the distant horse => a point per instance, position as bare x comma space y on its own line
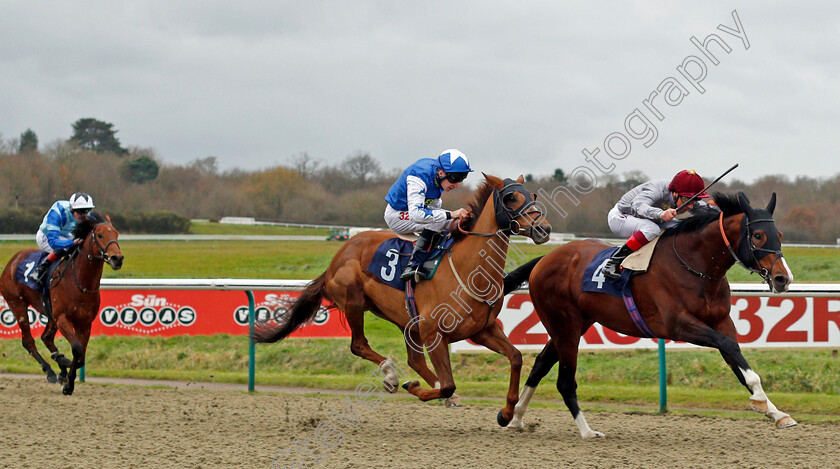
74, 295
684, 296
448, 309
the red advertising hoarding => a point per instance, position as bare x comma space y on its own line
761, 322
185, 312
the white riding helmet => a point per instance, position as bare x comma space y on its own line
81, 201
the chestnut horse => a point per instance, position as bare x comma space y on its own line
448, 309
74, 295
683, 296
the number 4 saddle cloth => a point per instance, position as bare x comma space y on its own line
595, 281
392, 256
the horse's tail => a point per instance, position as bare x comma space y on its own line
301, 311
516, 277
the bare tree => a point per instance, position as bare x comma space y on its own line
305, 165
362, 167
208, 166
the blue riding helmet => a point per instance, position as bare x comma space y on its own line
453, 161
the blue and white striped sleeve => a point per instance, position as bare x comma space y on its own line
53, 230
417, 210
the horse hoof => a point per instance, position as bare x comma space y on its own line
409, 384
503, 422
66, 390
51, 378
453, 401
785, 422
593, 435
391, 388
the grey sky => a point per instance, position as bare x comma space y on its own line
520, 87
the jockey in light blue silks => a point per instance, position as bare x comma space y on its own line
55, 234
414, 203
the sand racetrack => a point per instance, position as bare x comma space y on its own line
110, 426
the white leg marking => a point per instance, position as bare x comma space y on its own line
760, 403
585, 431
519, 411
392, 381
453, 401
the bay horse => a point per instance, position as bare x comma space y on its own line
683, 296
74, 295
448, 309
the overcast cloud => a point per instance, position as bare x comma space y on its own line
520, 87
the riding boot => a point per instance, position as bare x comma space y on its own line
37, 275
612, 268
414, 269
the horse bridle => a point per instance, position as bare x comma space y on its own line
744, 244
103, 255
505, 216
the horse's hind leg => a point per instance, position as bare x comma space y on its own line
731, 353
542, 365
19, 309
359, 346
496, 340
48, 337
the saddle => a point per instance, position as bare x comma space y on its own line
28, 264
596, 282
392, 256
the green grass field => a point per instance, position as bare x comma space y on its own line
208, 228
805, 383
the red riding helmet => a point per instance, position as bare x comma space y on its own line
687, 183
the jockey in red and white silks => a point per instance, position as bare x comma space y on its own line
647, 209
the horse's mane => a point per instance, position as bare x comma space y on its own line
476, 205
86, 226
703, 215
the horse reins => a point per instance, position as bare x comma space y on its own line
762, 272
103, 256
506, 217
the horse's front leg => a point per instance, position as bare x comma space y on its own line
48, 338
542, 365
69, 333
759, 401
724, 339
495, 339
439, 354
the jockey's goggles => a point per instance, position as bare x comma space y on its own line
455, 178
81, 211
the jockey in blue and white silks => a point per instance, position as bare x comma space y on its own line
55, 234
414, 202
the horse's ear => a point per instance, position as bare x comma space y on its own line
494, 181
108, 218
772, 204
744, 202
520, 179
